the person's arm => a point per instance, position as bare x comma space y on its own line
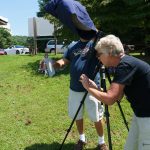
60, 63
114, 93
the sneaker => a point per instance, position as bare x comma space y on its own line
80, 145
102, 147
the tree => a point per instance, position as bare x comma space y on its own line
5, 38
128, 19
19, 40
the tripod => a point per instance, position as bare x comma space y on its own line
99, 35
119, 105
103, 72
103, 85
69, 129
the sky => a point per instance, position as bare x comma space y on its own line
17, 12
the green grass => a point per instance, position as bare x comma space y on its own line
33, 109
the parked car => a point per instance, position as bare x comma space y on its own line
16, 49
50, 46
2, 52
61, 47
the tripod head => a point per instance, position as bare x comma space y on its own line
92, 51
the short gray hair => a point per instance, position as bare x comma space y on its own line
110, 44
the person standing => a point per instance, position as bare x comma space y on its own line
76, 56
74, 15
132, 78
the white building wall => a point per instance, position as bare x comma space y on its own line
43, 27
7, 26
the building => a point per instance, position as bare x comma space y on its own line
4, 23
39, 27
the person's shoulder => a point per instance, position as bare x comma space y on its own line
90, 43
73, 43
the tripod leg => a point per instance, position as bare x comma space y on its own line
108, 126
123, 116
69, 129
124, 119
103, 85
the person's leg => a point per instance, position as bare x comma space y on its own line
74, 102
99, 128
100, 132
45, 69
132, 139
144, 133
80, 128
95, 112
79, 124
40, 66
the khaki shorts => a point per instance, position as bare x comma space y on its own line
139, 134
93, 106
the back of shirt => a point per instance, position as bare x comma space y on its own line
135, 75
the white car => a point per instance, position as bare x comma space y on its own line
16, 49
61, 47
50, 46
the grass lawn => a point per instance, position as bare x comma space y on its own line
33, 109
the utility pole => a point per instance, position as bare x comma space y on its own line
55, 37
35, 36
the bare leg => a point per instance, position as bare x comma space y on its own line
100, 132
82, 142
79, 124
99, 127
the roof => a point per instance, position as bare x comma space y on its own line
3, 21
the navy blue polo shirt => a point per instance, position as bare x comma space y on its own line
79, 63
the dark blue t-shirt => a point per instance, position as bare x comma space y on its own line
135, 75
80, 63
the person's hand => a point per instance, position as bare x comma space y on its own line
86, 82
55, 65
